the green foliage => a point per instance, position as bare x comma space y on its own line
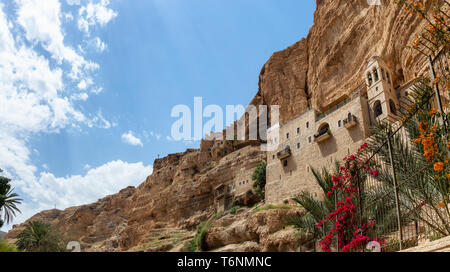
316, 209
190, 246
420, 185
234, 209
8, 201
7, 247
272, 207
39, 237
259, 179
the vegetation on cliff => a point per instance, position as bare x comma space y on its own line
259, 179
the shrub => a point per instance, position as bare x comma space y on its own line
259, 179
7, 247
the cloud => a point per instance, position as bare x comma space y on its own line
73, 2
130, 139
63, 192
151, 134
42, 25
38, 95
95, 14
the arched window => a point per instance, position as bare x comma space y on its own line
375, 73
377, 109
369, 79
392, 107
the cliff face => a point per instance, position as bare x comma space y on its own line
317, 70
330, 62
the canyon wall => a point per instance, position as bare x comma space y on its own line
314, 72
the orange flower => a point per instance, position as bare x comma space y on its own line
438, 167
441, 205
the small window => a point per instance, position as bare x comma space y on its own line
298, 130
298, 146
393, 107
375, 73
287, 135
285, 163
369, 79
377, 109
273, 157
309, 139
339, 123
406, 94
307, 124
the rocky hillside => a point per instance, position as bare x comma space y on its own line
163, 211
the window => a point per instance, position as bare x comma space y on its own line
298, 130
377, 109
392, 107
339, 123
287, 135
298, 146
406, 94
375, 73
369, 79
388, 77
307, 124
285, 163
273, 157
309, 139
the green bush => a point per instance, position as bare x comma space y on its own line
259, 179
7, 247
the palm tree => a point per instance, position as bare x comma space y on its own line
39, 237
8, 201
317, 210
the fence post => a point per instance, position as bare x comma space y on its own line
438, 100
397, 200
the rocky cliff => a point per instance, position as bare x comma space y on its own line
162, 212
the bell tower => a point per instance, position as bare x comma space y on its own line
383, 101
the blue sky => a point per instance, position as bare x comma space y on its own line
89, 85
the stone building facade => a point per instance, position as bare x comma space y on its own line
316, 140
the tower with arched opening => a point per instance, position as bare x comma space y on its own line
382, 97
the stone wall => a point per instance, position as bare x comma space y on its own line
287, 181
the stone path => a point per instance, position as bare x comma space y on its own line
442, 245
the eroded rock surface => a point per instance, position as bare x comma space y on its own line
315, 71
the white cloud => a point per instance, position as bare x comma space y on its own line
38, 95
63, 192
73, 2
86, 166
42, 25
151, 134
99, 45
130, 139
80, 96
95, 14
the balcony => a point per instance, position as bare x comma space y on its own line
220, 192
323, 135
351, 121
285, 153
